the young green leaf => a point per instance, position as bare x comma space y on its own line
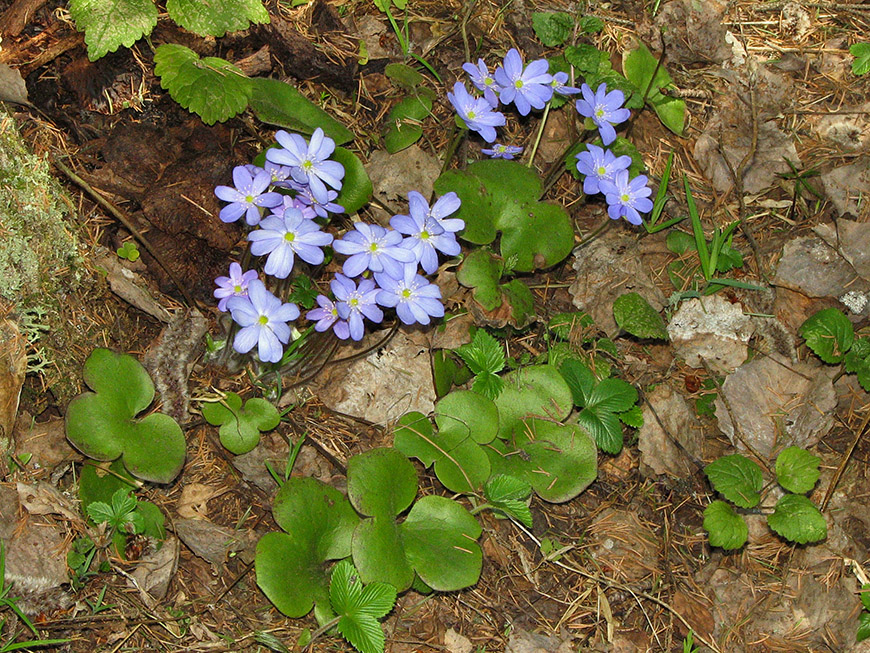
484, 356
861, 63
510, 495
863, 626
359, 608
797, 470
217, 17
865, 596
736, 478
632, 417
109, 24
240, 426
212, 88
725, 527
552, 28
857, 360
829, 334
797, 519
278, 103
634, 314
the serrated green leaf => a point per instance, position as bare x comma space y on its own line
552, 28
580, 380
278, 103
356, 189
736, 478
100, 512
483, 354
586, 58
634, 314
797, 519
612, 395
502, 487
360, 607
829, 334
632, 417
109, 24
216, 17
591, 24
861, 63
797, 470
863, 627
604, 427
487, 384
857, 360
212, 88
726, 528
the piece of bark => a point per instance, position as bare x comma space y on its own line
15, 19
256, 64
325, 18
303, 60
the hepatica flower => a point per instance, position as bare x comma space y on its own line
424, 234
305, 197
599, 165
445, 205
477, 113
235, 285
371, 247
248, 195
627, 199
604, 108
413, 297
526, 87
309, 161
294, 203
499, 151
354, 303
559, 81
483, 81
326, 315
263, 319
283, 237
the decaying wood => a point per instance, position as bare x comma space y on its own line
15, 19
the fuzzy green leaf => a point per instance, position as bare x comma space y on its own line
212, 88
797, 519
109, 24
278, 103
552, 28
861, 63
591, 24
634, 314
216, 17
725, 527
797, 470
829, 334
736, 478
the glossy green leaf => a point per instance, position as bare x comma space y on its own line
797, 470
217, 17
356, 189
726, 528
863, 626
413, 436
634, 314
212, 88
381, 482
103, 425
829, 334
510, 495
278, 103
736, 478
109, 24
481, 271
797, 519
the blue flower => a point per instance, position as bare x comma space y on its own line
413, 297
309, 162
483, 81
598, 165
323, 209
235, 285
371, 247
263, 319
424, 234
627, 199
500, 151
605, 110
282, 237
248, 195
327, 316
558, 83
526, 88
354, 303
294, 203
477, 113
445, 205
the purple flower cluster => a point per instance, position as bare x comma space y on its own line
526, 87
604, 171
299, 184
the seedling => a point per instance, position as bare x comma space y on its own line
129, 251
103, 424
864, 617
482, 271
98, 606
240, 427
740, 481
121, 515
484, 356
831, 336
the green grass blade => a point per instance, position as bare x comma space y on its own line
700, 241
661, 195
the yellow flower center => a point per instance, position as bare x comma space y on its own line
624, 198
264, 320
237, 289
289, 237
373, 247
518, 83
602, 171
406, 293
471, 115
249, 199
424, 235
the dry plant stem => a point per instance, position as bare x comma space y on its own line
737, 430
842, 468
120, 217
610, 582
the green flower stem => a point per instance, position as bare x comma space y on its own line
540, 134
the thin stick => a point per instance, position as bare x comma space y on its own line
842, 468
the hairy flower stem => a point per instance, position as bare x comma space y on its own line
540, 134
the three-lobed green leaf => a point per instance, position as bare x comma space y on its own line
212, 88
736, 478
724, 526
829, 334
797, 470
552, 28
797, 519
240, 426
